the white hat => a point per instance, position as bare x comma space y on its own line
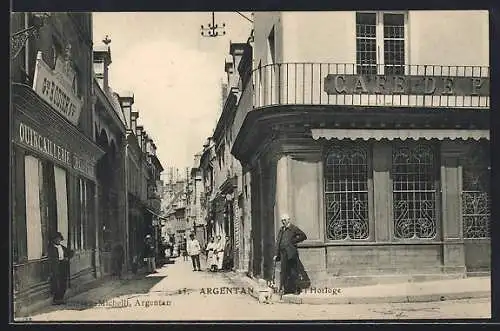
285, 217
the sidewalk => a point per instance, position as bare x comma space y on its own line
90, 292
441, 290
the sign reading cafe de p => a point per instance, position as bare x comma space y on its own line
407, 85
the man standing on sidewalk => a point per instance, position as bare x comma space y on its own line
59, 257
149, 254
286, 252
219, 251
193, 250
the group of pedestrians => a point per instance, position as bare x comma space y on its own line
219, 258
219, 253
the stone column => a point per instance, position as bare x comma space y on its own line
97, 230
381, 225
261, 215
453, 254
282, 190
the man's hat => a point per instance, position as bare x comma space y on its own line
57, 235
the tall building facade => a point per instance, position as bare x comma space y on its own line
197, 193
374, 137
54, 152
110, 133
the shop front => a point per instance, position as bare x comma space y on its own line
378, 203
53, 189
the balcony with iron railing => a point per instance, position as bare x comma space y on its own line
370, 85
342, 84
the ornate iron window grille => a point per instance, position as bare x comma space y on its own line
346, 192
476, 193
414, 177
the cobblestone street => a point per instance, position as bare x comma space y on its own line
177, 293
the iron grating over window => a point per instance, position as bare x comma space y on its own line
476, 192
414, 175
346, 192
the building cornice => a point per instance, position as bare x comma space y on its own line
296, 121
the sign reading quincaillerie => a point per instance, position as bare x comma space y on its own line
31, 138
55, 87
407, 85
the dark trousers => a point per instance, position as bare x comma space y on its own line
196, 261
59, 280
117, 267
289, 273
228, 263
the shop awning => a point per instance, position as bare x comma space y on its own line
402, 134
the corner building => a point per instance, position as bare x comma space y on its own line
374, 137
54, 155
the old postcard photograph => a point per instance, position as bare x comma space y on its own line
225, 166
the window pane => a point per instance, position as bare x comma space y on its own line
366, 18
394, 19
62, 201
414, 192
346, 192
33, 212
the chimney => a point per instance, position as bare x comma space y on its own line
237, 50
145, 139
138, 133
102, 60
126, 101
134, 115
154, 149
150, 146
229, 69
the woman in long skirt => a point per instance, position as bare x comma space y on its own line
211, 256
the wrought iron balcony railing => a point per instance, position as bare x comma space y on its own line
369, 85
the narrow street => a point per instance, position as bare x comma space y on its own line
177, 293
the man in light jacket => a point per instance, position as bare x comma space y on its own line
193, 249
219, 251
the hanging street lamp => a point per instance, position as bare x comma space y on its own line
213, 29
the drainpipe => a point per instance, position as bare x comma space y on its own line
26, 47
127, 246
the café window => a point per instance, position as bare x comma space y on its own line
381, 43
415, 188
346, 192
476, 201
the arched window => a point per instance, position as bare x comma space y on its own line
476, 192
414, 175
346, 192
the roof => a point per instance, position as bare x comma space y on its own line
115, 102
126, 94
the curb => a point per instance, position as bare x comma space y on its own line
243, 280
387, 299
